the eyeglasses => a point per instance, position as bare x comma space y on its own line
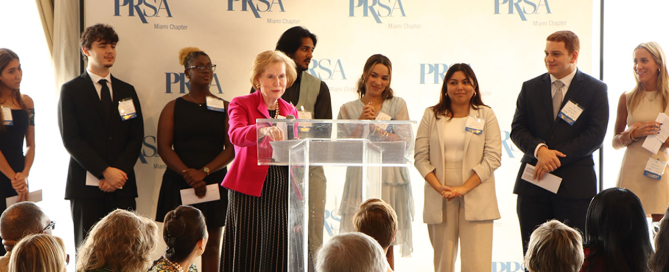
201, 68
50, 226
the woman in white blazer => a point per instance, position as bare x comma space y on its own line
458, 147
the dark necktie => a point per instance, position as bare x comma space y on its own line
557, 98
105, 97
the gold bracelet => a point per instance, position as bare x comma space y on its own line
632, 135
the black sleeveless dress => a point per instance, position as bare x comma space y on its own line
11, 145
199, 136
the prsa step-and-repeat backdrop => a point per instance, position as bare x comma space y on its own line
503, 41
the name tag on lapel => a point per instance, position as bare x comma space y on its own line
126, 109
475, 125
570, 112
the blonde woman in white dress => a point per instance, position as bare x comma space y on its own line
637, 112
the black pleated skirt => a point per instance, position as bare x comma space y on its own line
256, 235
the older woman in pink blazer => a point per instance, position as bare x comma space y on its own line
458, 147
255, 237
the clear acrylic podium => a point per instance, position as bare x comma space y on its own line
365, 146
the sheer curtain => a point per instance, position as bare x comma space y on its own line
60, 19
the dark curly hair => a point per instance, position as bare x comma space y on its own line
99, 32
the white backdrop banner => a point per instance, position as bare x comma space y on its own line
503, 41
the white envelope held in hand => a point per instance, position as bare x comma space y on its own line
34, 196
188, 196
549, 182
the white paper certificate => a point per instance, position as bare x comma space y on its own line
188, 196
549, 182
35, 196
653, 143
92, 180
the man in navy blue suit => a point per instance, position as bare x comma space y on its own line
556, 139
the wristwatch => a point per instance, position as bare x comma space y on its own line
206, 170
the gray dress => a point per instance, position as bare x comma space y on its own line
396, 181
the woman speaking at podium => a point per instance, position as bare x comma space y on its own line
256, 228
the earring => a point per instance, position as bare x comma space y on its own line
474, 93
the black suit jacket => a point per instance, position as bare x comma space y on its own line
93, 144
533, 124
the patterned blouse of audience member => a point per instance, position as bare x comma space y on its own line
185, 234
121, 241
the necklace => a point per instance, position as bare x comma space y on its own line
199, 104
175, 265
276, 107
648, 96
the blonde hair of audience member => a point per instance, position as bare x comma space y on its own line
351, 252
378, 220
662, 84
266, 58
659, 262
554, 246
121, 241
39, 253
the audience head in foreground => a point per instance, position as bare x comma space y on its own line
616, 233
121, 241
351, 252
185, 233
660, 260
22, 219
554, 246
378, 220
39, 253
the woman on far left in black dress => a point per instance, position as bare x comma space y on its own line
193, 142
14, 164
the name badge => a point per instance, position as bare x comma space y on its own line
126, 109
7, 116
570, 112
304, 115
215, 104
475, 125
654, 168
383, 117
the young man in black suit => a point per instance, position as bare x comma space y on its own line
554, 145
101, 124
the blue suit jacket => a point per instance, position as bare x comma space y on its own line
533, 124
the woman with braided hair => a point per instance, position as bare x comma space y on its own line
185, 234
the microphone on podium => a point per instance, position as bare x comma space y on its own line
290, 126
